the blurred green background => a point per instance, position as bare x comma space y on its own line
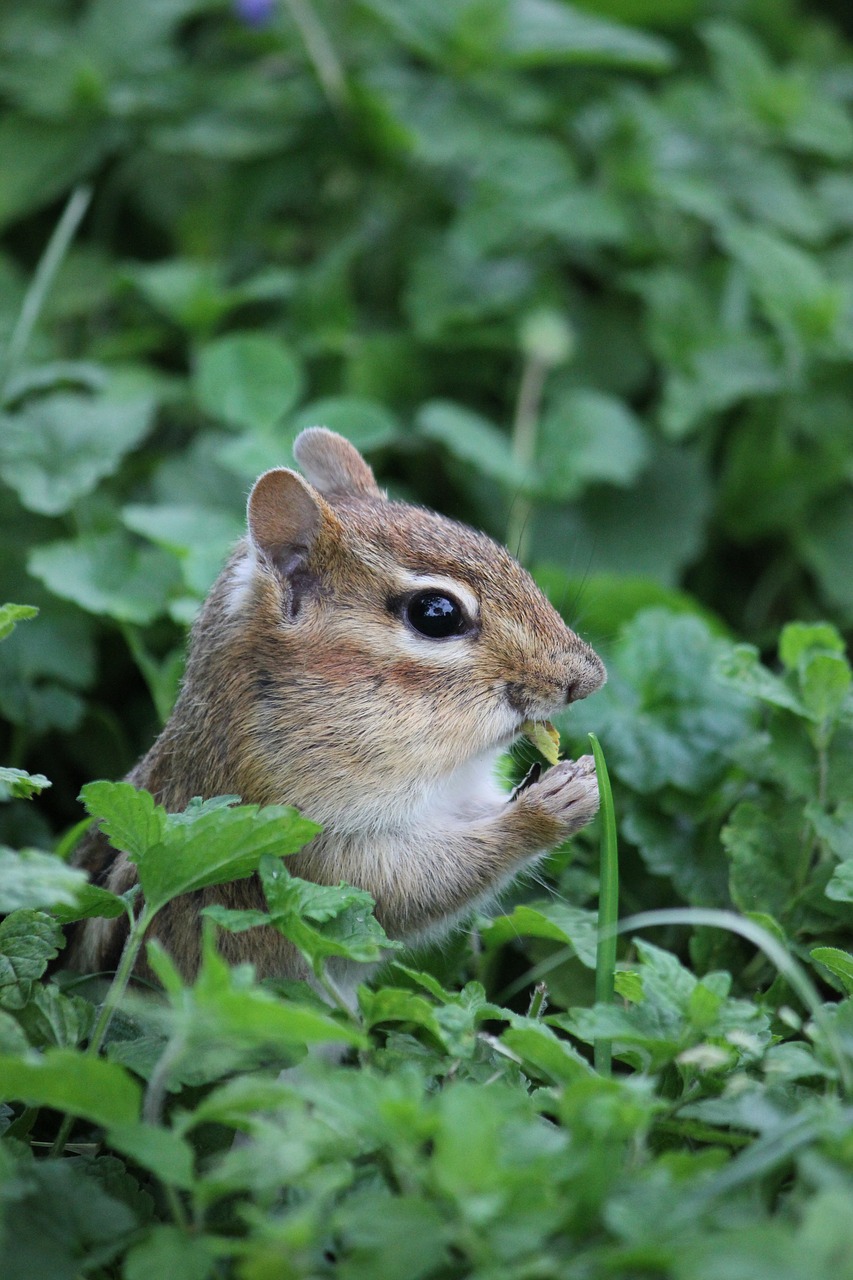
579, 274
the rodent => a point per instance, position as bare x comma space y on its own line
365, 661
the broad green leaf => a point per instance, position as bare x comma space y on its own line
188, 292
391, 1004
12, 614
247, 380
60, 1213
201, 538
662, 717
83, 1086
838, 962
53, 1019
32, 878
130, 818
236, 1103
365, 423
608, 530
29, 940
840, 887
764, 845
218, 847
472, 439
541, 1049
799, 639
836, 829
740, 667
91, 902
106, 574
170, 1251
575, 927
323, 920
224, 1005
794, 292
544, 32
208, 844
585, 438
17, 784
56, 449
825, 681
157, 1149
41, 158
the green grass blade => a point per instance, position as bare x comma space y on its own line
608, 903
49, 263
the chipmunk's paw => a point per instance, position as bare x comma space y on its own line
568, 793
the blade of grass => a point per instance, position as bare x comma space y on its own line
608, 903
49, 263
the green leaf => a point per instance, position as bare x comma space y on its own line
799, 639
839, 963
764, 845
472, 439
836, 830
83, 1086
107, 574
247, 379
323, 920
840, 887
544, 1052
391, 1004
364, 423
544, 32
92, 902
662, 717
17, 784
825, 680
789, 284
130, 818
207, 844
29, 940
12, 614
169, 1251
41, 158
162, 1152
201, 538
58, 1215
587, 437
56, 449
32, 878
740, 667
574, 927
54, 1019
225, 1006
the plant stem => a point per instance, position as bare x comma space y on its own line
118, 986
49, 264
608, 904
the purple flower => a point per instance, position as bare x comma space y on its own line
255, 13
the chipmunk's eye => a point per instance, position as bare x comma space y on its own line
435, 615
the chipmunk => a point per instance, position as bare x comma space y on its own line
366, 661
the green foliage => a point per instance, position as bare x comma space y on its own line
580, 274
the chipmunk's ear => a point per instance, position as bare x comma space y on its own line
286, 518
333, 465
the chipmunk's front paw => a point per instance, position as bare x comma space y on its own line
567, 793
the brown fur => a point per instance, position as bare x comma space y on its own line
305, 685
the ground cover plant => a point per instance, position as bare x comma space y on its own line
581, 275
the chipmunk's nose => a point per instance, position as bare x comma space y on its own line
587, 673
